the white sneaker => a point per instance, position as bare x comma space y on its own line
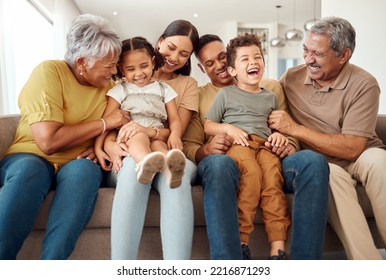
174, 167
149, 166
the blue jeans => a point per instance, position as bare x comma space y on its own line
306, 175
25, 180
129, 210
219, 176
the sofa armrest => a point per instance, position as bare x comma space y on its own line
381, 128
8, 125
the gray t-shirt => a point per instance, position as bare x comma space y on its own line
245, 110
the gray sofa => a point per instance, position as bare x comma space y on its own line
94, 242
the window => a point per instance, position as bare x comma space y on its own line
284, 64
27, 40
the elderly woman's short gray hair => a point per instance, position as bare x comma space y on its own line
92, 38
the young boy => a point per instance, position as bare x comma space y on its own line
241, 111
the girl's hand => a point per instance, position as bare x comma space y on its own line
129, 130
174, 142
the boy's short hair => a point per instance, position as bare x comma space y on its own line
241, 41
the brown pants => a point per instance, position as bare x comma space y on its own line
261, 183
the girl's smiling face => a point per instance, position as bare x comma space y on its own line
138, 66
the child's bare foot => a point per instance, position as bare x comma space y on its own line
174, 167
149, 166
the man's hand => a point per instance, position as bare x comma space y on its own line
219, 144
282, 151
281, 121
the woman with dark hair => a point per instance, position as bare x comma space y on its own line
176, 44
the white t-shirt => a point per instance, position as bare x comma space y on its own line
145, 104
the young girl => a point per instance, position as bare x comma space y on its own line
150, 103
176, 44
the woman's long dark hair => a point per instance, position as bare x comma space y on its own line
182, 28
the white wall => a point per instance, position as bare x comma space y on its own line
63, 12
366, 16
369, 20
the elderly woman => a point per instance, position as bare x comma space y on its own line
61, 107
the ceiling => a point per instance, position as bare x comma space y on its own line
149, 18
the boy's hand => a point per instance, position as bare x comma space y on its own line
239, 136
278, 140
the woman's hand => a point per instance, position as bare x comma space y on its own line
115, 151
116, 118
88, 154
103, 160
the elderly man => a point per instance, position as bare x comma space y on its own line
334, 107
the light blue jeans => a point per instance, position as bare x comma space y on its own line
25, 180
129, 210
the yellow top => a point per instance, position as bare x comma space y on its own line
52, 93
